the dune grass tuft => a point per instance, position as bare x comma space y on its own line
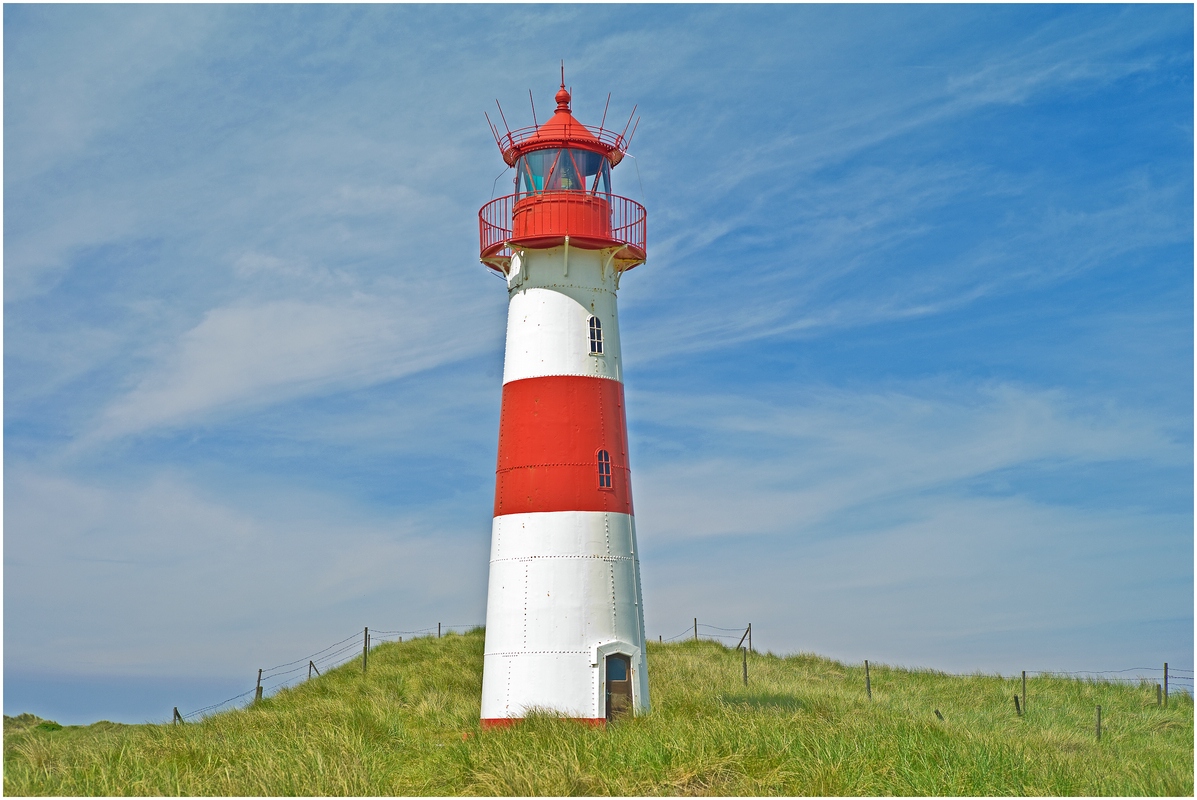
802, 726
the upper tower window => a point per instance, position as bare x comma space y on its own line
563, 170
596, 336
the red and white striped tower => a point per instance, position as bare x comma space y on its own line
564, 620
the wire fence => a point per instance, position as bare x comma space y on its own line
701, 630
1180, 678
280, 676
1165, 678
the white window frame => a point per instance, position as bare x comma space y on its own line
594, 330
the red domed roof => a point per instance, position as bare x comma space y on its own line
562, 130
562, 127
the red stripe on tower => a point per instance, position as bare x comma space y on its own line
553, 435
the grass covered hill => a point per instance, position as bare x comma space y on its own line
802, 726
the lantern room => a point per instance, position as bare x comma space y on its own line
562, 170
562, 193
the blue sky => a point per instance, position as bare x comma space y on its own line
909, 368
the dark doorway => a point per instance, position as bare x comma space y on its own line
619, 686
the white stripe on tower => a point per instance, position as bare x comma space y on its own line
548, 317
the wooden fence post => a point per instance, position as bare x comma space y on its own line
1017, 710
750, 637
258, 690
868, 682
365, 647
312, 666
177, 720
1099, 723
696, 629
1159, 695
745, 655
1165, 684
740, 643
1024, 691
438, 630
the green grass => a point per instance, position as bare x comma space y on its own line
803, 726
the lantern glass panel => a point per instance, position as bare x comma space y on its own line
563, 170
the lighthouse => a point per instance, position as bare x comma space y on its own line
564, 611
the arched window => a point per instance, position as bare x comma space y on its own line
604, 469
596, 336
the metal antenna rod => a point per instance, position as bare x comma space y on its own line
631, 135
625, 127
493, 130
533, 102
504, 118
605, 111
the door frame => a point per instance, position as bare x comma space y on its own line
599, 663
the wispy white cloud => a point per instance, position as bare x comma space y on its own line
837, 273
159, 577
1057, 54
825, 203
797, 467
249, 356
915, 525
997, 584
72, 87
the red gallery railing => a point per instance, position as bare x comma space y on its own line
513, 143
592, 222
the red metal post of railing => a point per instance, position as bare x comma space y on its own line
495, 222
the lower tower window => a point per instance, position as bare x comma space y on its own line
604, 469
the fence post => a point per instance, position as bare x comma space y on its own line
312, 666
1165, 684
696, 629
365, 647
1017, 710
868, 682
438, 630
660, 638
177, 719
740, 643
750, 637
1159, 695
1024, 691
258, 690
745, 655
1099, 723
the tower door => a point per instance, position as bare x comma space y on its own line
619, 686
